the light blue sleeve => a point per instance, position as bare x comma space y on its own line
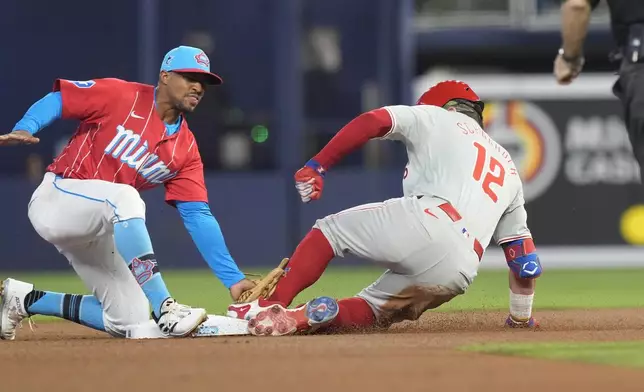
41, 114
207, 236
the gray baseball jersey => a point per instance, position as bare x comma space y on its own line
430, 251
452, 157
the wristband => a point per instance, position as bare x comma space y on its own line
574, 61
313, 164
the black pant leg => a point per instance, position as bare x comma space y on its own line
629, 88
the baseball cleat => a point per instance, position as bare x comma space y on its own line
511, 322
249, 310
12, 307
279, 321
176, 320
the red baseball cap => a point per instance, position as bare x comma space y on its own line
443, 92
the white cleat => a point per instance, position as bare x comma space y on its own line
12, 307
248, 310
176, 320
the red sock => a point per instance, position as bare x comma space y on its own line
305, 267
355, 313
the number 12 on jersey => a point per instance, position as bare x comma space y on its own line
495, 172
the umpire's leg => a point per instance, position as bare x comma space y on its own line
629, 88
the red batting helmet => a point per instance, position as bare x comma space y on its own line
443, 92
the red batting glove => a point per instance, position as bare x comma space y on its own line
309, 181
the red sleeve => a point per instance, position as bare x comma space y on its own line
355, 134
189, 184
87, 100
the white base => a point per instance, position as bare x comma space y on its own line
212, 327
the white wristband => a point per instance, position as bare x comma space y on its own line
521, 306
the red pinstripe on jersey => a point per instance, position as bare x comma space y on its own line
121, 139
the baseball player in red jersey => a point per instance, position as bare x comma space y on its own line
461, 190
131, 137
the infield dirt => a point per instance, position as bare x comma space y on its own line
421, 356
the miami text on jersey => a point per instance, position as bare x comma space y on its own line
126, 146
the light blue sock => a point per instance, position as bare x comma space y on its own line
134, 244
81, 309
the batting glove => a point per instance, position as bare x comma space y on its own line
309, 181
531, 323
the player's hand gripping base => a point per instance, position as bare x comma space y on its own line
18, 137
264, 286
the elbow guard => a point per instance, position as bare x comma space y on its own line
522, 258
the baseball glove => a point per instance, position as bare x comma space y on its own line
264, 286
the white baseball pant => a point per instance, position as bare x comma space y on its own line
77, 217
429, 259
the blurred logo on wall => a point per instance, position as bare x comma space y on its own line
598, 151
531, 137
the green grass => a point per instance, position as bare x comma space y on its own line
621, 353
556, 289
560, 289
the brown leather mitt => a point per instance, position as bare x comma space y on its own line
264, 286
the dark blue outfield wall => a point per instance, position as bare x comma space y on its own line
256, 212
263, 218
